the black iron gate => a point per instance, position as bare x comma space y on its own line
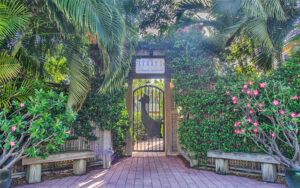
148, 119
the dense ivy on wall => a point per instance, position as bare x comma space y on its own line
200, 84
108, 112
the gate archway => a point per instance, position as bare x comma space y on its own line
148, 119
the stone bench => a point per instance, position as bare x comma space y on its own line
268, 163
34, 165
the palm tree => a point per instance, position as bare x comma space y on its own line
265, 21
73, 19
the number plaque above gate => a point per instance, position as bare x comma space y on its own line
150, 66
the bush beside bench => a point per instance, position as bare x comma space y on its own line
268, 163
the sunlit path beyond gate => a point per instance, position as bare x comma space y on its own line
153, 170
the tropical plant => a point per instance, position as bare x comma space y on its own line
66, 23
268, 22
12, 88
14, 18
34, 127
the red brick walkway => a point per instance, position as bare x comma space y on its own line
145, 170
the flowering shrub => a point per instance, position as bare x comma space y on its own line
269, 118
34, 128
207, 115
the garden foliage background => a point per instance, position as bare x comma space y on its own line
201, 82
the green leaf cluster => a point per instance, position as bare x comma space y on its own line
35, 127
106, 111
200, 84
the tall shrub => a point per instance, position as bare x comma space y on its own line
108, 112
200, 87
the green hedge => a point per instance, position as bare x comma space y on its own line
201, 83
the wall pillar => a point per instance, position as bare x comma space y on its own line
129, 103
168, 120
107, 149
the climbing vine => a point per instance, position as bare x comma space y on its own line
200, 84
108, 112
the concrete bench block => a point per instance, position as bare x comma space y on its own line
269, 172
34, 173
79, 167
222, 166
107, 160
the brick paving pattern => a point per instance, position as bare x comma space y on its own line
155, 170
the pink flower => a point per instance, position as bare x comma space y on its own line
12, 143
276, 102
255, 92
245, 116
234, 109
296, 97
245, 86
228, 92
262, 85
234, 102
282, 112
251, 111
248, 105
298, 115
243, 90
22, 105
69, 132
255, 124
261, 105
249, 120
293, 115
13, 128
273, 135
249, 92
236, 124
233, 98
292, 122
250, 82
255, 130
236, 131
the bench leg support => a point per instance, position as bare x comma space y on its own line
269, 173
79, 167
34, 173
221, 166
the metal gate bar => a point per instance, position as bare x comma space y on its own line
148, 119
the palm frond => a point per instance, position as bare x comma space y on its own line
257, 28
192, 5
13, 18
15, 91
254, 8
115, 79
80, 74
9, 68
264, 60
274, 9
231, 32
97, 17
